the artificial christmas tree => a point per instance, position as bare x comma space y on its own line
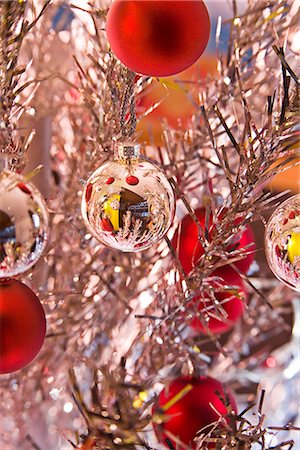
118, 323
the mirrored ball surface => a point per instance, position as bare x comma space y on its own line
128, 207
282, 242
23, 224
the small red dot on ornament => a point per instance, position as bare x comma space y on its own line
270, 362
278, 251
285, 222
292, 215
106, 225
132, 180
88, 192
110, 180
24, 188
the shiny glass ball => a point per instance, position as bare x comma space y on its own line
282, 242
23, 224
128, 205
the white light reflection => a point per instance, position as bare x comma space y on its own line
68, 407
145, 299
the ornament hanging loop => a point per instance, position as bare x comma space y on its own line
128, 104
127, 151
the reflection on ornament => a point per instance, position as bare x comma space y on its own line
293, 247
128, 204
282, 242
23, 325
23, 224
186, 406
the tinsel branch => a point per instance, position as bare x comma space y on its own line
14, 27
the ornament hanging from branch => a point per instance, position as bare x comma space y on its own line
23, 325
229, 293
282, 242
23, 224
190, 248
189, 405
158, 38
128, 204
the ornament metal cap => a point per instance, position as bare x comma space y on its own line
127, 150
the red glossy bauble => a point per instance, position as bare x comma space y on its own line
22, 325
233, 307
246, 239
193, 411
158, 38
190, 250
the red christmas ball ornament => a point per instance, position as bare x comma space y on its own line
190, 249
231, 294
186, 406
246, 240
158, 38
22, 325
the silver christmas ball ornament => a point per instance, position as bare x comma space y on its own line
23, 224
128, 204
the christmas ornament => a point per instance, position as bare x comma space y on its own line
244, 238
23, 224
186, 406
158, 38
180, 96
23, 325
128, 203
282, 242
190, 249
180, 92
230, 291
